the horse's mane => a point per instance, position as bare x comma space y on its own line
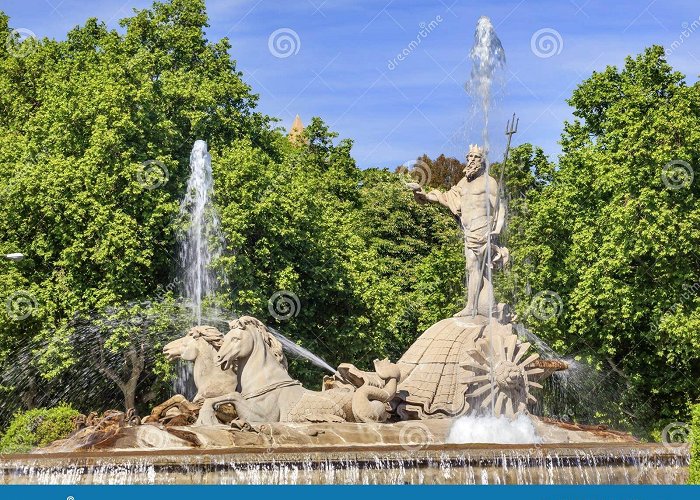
273, 345
212, 335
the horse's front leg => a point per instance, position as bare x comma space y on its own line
207, 413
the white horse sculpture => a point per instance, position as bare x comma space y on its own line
201, 345
266, 392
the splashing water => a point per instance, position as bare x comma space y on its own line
490, 464
541, 346
491, 429
203, 242
220, 320
299, 351
488, 57
580, 391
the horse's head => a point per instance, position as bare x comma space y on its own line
247, 335
239, 342
187, 347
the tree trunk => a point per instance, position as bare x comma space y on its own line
128, 387
137, 364
29, 394
129, 391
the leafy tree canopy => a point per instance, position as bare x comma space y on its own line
95, 135
614, 231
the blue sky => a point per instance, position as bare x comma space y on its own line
339, 63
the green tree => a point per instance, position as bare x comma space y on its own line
528, 171
615, 232
441, 173
366, 263
695, 447
95, 137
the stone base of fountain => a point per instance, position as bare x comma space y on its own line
415, 452
593, 463
409, 434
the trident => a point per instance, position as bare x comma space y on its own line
511, 128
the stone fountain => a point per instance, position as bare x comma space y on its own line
251, 422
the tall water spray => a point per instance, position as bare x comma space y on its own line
202, 242
488, 57
200, 245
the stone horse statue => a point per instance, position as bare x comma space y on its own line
266, 393
201, 345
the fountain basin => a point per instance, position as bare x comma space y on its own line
412, 452
593, 463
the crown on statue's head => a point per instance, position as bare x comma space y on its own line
474, 148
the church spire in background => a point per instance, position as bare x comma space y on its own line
296, 131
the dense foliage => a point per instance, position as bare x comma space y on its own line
366, 263
695, 447
37, 427
614, 233
95, 134
95, 137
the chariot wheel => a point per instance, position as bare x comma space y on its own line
499, 375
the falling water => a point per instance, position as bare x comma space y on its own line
561, 464
488, 57
200, 244
580, 392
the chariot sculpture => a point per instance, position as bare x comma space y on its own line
470, 363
